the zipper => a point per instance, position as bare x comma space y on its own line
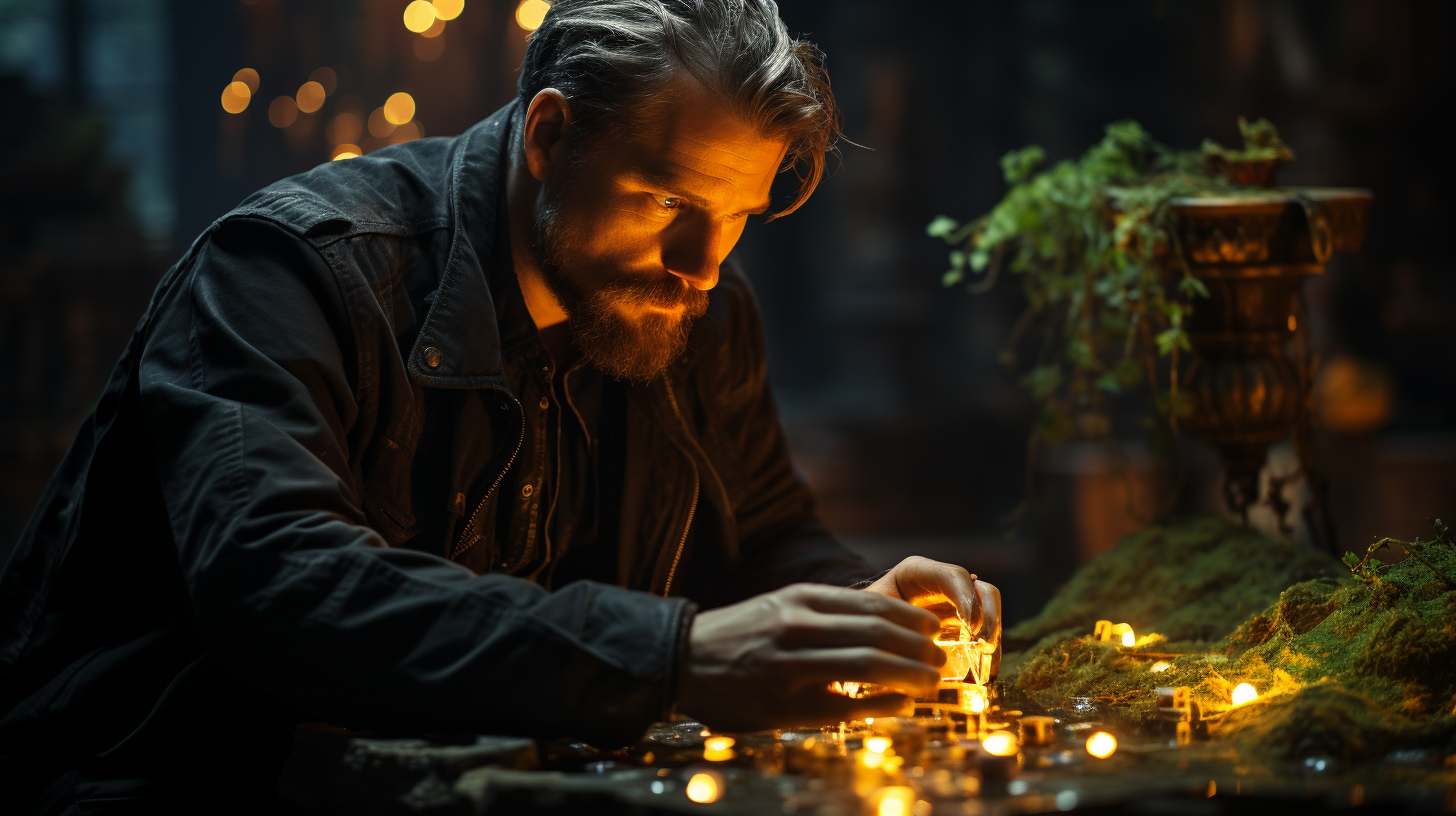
470, 522
692, 508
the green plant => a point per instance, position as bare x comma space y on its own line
1261, 143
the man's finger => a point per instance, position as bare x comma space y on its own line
837, 600
862, 665
821, 630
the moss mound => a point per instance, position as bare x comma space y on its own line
1347, 665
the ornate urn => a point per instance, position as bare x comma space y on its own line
1253, 251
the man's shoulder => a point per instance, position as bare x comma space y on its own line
401, 190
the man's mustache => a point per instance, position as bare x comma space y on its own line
663, 293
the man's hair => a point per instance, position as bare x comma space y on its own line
612, 60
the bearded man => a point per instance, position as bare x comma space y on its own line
468, 435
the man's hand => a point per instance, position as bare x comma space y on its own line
767, 662
924, 582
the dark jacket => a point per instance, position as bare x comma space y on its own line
255, 528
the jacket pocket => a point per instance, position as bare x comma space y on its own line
387, 499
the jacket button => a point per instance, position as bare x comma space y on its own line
432, 357
545, 403
527, 490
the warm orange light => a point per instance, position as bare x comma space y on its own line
1000, 743
379, 127
1129, 639
311, 96
977, 701
895, 800
870, 759
1244, 693
448, 9
235, 97
282, 112
704, 788
718, 749
530, 13
326, 78
248, 77
436, 29
347, 151
877, 745
344, 129
399, 108
407, 132
1101, 745
419, 16
1160, 667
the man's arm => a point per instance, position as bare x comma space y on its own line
246, 379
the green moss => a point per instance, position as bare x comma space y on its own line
1348, 666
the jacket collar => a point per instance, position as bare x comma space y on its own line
461, 323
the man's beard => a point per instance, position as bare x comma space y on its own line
629, 348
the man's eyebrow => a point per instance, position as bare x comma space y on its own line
674, 182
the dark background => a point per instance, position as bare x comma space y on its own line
117, 153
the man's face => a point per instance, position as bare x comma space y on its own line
629, 239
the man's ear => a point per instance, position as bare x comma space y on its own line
548, 125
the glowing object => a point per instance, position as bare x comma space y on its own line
248, 77
718, 749
870, 759
977, 701
530, 13
399, 108
895, 800
311, 96
877, 745
704, 788
347, 151
419, 16
1101, 745
1244, 693
1160, 667
1128, 639
235, 97
1000, 743
448, 9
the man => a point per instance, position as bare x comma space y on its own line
470, 435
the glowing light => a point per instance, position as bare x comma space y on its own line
399, 108
1128, 639
379, 127
869, 720
1160, 667
419, 16
436, 29
530, 13
248, 77
1293, 324
347, 151
344, 129
705, 733
448, 9
718, 749
1102, 745
895, 800
877, 745
311, 96
282, 112
870, 759
235, 97
977, 701
1000, 743
1244, 693
954, 640
704, 788
407, 132
326, 78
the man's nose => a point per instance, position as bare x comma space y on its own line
693, 256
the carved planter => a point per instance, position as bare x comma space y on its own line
1252, 252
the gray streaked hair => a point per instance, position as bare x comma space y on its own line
612, 59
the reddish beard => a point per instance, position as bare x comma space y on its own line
612, 324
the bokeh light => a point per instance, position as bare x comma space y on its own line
235, 97
530, 13
448, 9
399, 108
1129, 639
248, 77
1000, 743
379, 127
704, 788
436, 29
419, 16
282, 112
346, 151
878, 745
894, 800
429, 49
1101, 745
407, 132
345, 128
311, 96
326, 78
718, 749
1244, 693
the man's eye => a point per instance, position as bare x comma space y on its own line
669, 202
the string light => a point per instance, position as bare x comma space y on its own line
311, 96
399, 108
419, 16
530, 13
235, 97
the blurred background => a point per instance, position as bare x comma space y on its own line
129, 125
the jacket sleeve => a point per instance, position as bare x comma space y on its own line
247, 380
781, 539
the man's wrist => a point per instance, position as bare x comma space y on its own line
678, 666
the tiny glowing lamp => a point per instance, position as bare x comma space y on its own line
718, 749
977, 701
1101, 745
1129, 639
530, 13
877, 745
1000, 743
419, 16
705, 787
1244, 693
